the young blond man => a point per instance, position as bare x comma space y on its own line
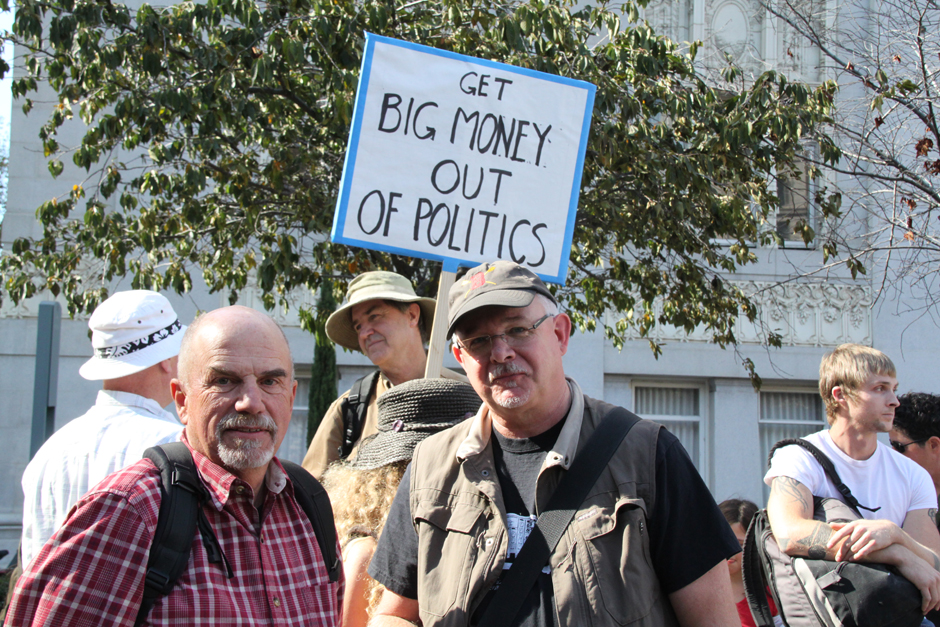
858, 385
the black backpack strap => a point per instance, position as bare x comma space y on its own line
753, 575
828, 468
354, 408
551, 524
315, 502
182, 498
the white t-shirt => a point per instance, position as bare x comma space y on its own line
887, 479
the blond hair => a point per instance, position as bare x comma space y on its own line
361, 500
849, 366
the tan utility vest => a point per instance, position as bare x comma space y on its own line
602, 572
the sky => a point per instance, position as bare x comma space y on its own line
6, 21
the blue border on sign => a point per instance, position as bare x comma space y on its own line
352, 146
342, 202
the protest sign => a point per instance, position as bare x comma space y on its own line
463, 160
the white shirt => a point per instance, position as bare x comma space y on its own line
113, 434
887, 479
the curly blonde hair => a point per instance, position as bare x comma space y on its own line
361, 500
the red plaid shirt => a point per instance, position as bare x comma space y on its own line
92, 570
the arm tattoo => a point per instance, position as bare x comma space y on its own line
934, 519
789, 488
815, 543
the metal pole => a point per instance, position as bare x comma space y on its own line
47, 374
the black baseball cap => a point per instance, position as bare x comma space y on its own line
500, 283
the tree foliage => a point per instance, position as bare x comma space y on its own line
216, 134
887, 62
323, 373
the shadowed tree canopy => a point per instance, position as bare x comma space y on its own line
323, 372
216, 134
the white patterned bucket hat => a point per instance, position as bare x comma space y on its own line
130, 332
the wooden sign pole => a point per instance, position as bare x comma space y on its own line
438, 344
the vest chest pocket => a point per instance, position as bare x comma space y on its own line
446, 552
618, 565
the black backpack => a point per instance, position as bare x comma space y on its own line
819, 593
354, 408
181, 513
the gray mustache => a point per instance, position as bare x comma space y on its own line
247, 421
502, 369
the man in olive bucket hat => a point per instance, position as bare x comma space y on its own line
135, 336
385, 320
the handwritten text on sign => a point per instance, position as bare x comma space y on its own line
463, 159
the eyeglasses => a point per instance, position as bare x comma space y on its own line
901, 447
515, 337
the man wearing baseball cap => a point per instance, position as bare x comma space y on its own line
385, 320
136, 338
648, 546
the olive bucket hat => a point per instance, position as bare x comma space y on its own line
377, 285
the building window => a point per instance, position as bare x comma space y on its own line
795, 193
294, 445
788, 415
676, 408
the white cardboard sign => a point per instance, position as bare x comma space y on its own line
463, 160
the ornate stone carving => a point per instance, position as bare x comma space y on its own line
734, 27
804, 314
741, 28
814, 314
730, 29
